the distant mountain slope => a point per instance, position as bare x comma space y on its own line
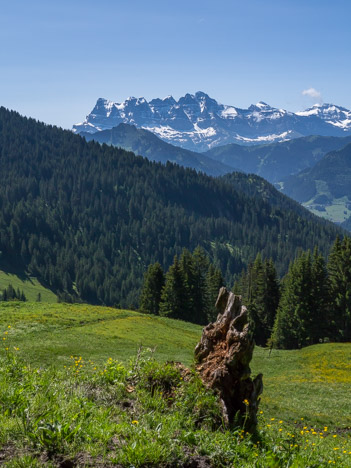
274, 162
198, 122
87, 218
257, 187
347, 224
144, 143
326, 187
277, 161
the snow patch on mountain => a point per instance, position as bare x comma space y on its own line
285, 136
198, 122
331, 114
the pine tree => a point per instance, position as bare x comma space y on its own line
187, 267
254, 295
199, 291
320, 320
173, 298
339, 268
150, 297
261, 292
270, 300
11, 293
303, 312
289, 330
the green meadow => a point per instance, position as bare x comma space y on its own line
51, 333
87, 353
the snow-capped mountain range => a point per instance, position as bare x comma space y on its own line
198, 122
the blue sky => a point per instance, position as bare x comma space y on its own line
58, 57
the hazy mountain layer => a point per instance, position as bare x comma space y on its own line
147, 144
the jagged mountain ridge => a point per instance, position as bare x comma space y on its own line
198, 122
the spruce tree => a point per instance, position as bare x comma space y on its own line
201, 299
270, 300
187, 267
339, 268
303, 312
150, 297
320, 320
289, 330
195, 267
11, 293
254, 296
174, 293
261, 292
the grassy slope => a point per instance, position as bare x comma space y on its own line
28, 284
313, 383
50, 333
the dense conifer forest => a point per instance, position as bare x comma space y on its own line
87, 219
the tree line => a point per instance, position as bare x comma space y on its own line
11, 294
187, 291
311, 304
315, 303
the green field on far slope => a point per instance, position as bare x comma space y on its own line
313, 383
26, 283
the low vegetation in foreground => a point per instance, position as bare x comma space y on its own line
108, 407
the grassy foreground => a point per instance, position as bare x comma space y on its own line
74, 393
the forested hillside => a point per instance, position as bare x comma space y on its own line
87, 219
326, 187
144, 143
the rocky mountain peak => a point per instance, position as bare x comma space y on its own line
198, 122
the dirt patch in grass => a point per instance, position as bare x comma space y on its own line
7, 452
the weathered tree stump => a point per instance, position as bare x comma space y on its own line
223, 357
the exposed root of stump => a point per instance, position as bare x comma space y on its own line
223, 357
